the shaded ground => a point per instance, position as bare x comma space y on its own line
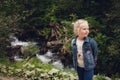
10, 78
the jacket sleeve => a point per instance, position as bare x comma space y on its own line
73, 54
94, 46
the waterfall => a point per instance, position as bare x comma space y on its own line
15, 47
15, 42
50, 57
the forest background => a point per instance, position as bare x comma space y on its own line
49, 20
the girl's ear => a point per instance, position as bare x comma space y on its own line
79, 29
76, 30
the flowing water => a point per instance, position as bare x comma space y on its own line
46, 58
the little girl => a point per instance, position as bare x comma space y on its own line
84, 51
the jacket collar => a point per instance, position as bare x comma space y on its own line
86, 39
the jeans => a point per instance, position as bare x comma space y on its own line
85, 74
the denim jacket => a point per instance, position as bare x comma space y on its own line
90, 53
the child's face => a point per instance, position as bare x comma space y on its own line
83, 31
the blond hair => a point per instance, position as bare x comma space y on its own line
79, 23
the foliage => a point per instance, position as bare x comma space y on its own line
30, 50
101, 77
33, 69
5, 30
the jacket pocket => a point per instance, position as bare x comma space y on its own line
89, 59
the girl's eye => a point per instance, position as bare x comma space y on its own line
84, 29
